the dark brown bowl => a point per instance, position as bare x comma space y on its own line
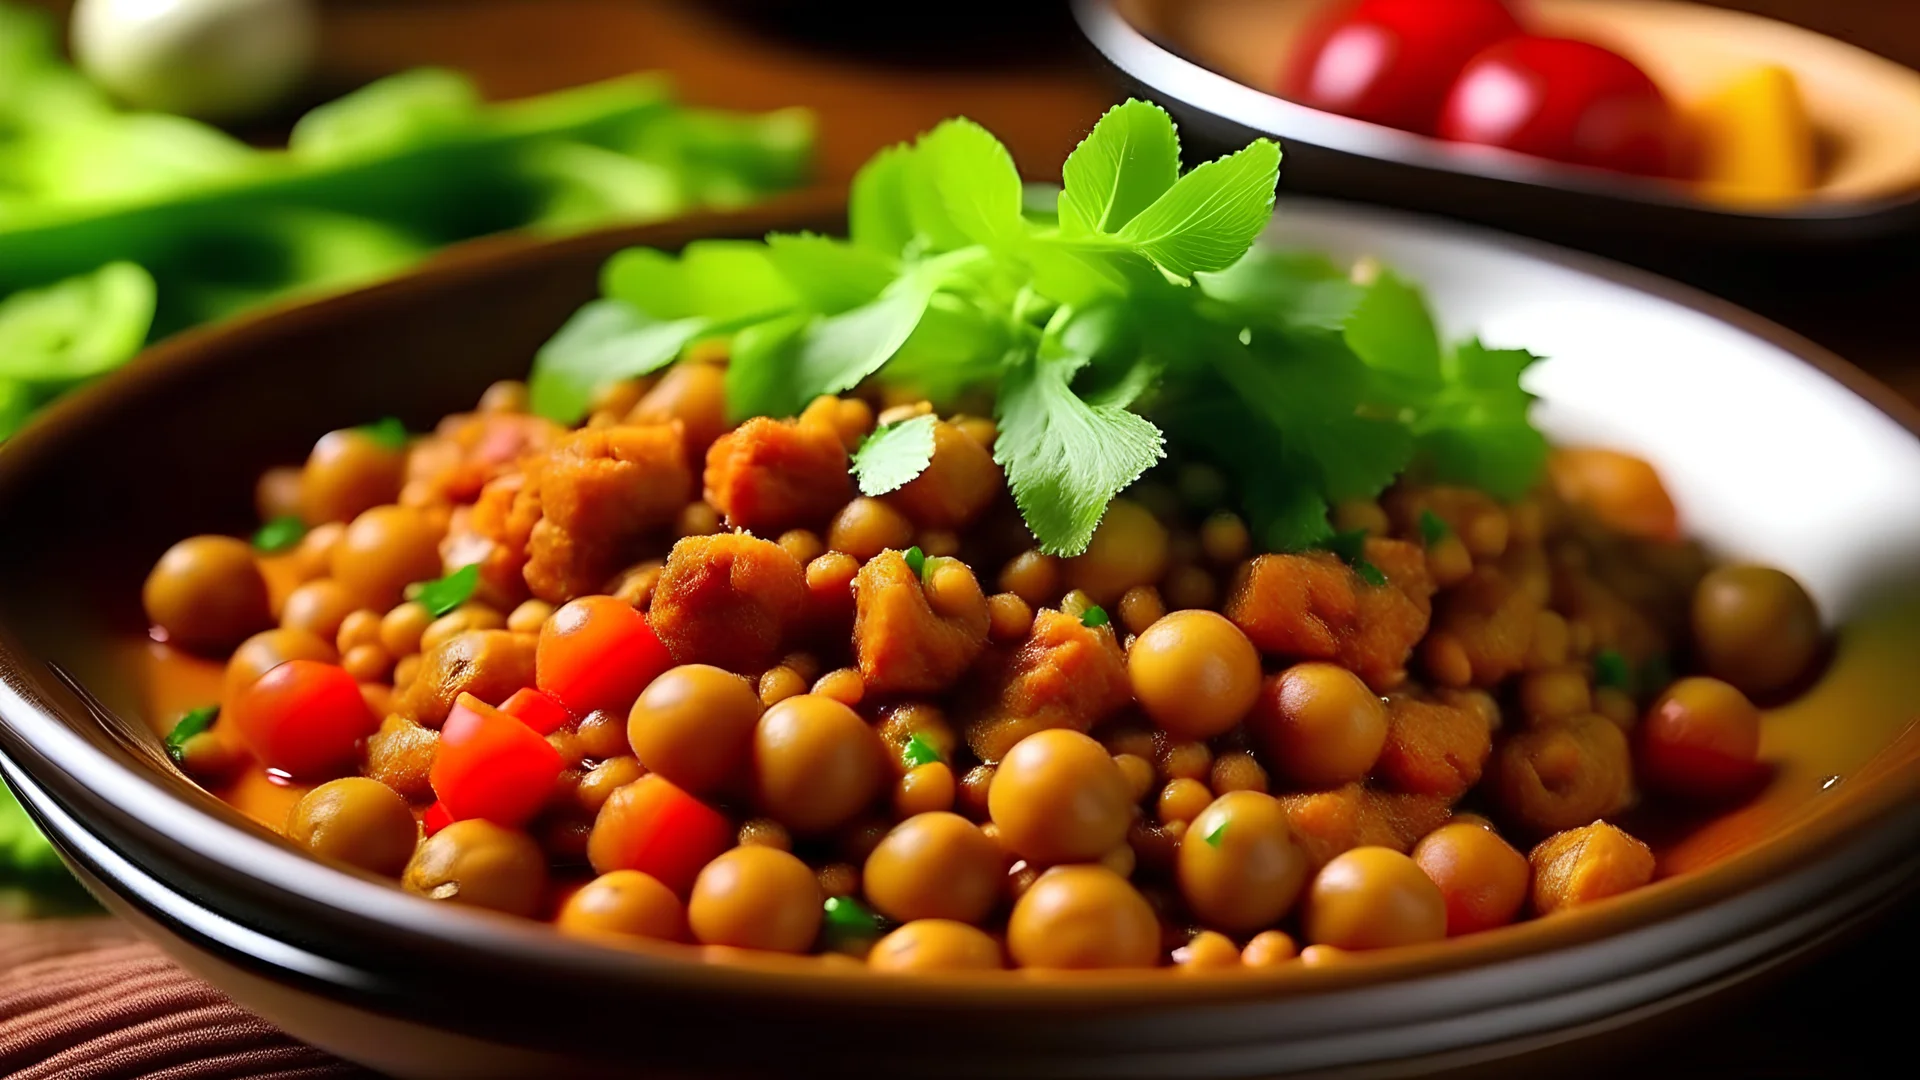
109, 477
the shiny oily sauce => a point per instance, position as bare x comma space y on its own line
659, 678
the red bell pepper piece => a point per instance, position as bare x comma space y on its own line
654, 826
538, 710
597, 652
491, 765
436, 818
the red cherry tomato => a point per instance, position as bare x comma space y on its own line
491, 765
538, 710
1391, 61
1571, 101
597, 652
436, 818
304, 718
1701, 740
654, 826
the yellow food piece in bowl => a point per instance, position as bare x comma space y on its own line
1756, 140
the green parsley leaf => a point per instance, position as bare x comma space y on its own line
976, 180
387, 431
719, 280
445, 594
193, 723
1370, 574
832, 276
1392, 330
894, 454
916, 560
1129, 160
878, 216
1065, 459
280, 534
1433, 527
1218, 834
1612, 670
605, 341
1476, 431
843, 916
1299, 290
918, 752
1095, 616
1210, 216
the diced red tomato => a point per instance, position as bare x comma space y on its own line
1568, 100
597, 652
1392, 61
538, 710
304, 718
654, 826
436, 818
491, 765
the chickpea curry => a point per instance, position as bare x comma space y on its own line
823, 627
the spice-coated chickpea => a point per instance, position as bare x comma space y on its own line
1482, 878
356, 821
694, 725
1081, 917
693, 393
384, 550
923, 789
1208, 951
816, 763
317, 607
777, 684
367, 663
1269, 948
401, 628
348, 473
804, 545
1058, 797
1559, 775
1033, 577
1320, 725
1128, 548
360, 627
865, 527
207, 593
477, 862
1009, 618
1755, 627
936, 945
1374, 898
1700, 739
1587, 864
624, 903
1141, 607
1240, 868
756, 898
764, 832
935, 866
1182, 800
277, 493
1195, 674
471, 615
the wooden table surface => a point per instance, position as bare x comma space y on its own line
1019, 69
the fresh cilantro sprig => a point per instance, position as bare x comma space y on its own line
444, 594
387, 432
280, 534
1136, 314
918, 751
195, 722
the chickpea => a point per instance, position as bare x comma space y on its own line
601, 735
1128, 548
1559, 775
938, 543
697, 519
634, 586
935, 866
1448, 561
935, 945
816, 764
924, 789
1138, 773
313, 556
1320, 725
1009, 618
694, 725
207, 593
360, 627
1189, 588
1208, 951
1058, 797
1033, 577
1374, 898
209, 758
601, 781
1756, 628
1269, 948
1446, 661
780, 683
471, 615
383, 551
1195, 674
360, 822
267, 650
1240, 868
756, 898
1183, 760
1237, 771
277, 493
1624, 492
367, 663
693, 393
477, 862
1701, 740
1555, 693
838, 879
402, 628
1580, 866
1616, 705
1482, 878
1551, 647
804, 545
975, 788
348, 473
624, 904
1140, 607
1364, 514
843, 685
504, 396
865, 527
764, 832
1156, 846
1181, 800
1081, 917
1225, 539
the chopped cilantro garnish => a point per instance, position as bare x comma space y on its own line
847, 917
387, 431
918, 752
445, 594
916, 560
1095, 615
895, 454
1216, 834
1351, 547
1433, 527
280, 534
1612, 671
193, 723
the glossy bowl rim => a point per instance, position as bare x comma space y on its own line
1196, 86
33, 731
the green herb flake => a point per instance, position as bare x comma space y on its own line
388, 432
847, 917
280, 534
1217, 834
918, 752
1094, 616
916, 560
195, 722
447, 593
1351, 547
1611, 670
893, 455
1433, 527
1370, 574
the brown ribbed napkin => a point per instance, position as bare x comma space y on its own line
84, 999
